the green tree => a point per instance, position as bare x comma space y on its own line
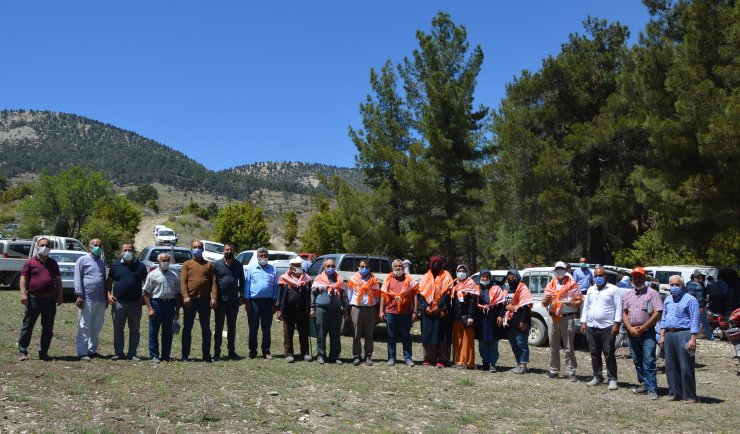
115, 220
4, 183
291, 228
323, 233
242, 224
143, 193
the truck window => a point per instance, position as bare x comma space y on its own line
385, 266
348, 263
315, 269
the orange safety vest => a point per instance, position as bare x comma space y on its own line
371, 288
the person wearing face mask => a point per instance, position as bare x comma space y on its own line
518, 319
92, 300
40, 293
363, 295
261, 294
562, 300
398, 307
125, 280
229, 279
199, 291
433, 300
327, 305
491, 304
641, 310
601, 319
583, 276
295, 303
464, 305
678, 340
161, 288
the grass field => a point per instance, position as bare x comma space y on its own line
66, 395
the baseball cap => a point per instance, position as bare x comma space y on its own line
296, 261
560, 264
638, 270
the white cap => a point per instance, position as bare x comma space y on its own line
560, 264
296, 261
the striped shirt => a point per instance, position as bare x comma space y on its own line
640, 304
696, 290
682, 313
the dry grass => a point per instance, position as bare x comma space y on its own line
66, 395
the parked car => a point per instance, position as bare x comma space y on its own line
280, 259
212, 251
308, 257
166, 237
664, 272
178, 255
347, 264
66, 260
12, 251
58, 243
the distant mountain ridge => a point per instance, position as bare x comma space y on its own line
32, 141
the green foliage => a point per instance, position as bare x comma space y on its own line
4, 183
291, 228
115, 221
63, 203
651, 249
324, 231
143, 194
243, 225
724, 249
195, 209
153, 205
16, 192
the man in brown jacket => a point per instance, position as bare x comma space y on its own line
200, 293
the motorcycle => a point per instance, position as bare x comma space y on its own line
718, 323
733, 332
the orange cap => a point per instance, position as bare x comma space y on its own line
638, 270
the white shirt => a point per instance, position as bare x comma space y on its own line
161, 284
602, 309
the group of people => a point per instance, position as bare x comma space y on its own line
454, 311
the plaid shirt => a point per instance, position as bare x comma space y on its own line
681, 314
640, 304
696, 290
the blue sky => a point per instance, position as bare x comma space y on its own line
237, 82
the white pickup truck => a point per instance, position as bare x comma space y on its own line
164, 236
10, 267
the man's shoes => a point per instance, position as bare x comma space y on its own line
357, 361
427, 363
440, 365
135, 358
572, 378
289, 359
267, 356
521, 369
613, 385
208, 360
338, 362
85, 358
253, 354
642, 388
22, 357
390, 362
485, 366
595, 382
234, 356
320, 359
652, 396
44, 356
409, 363
117, 357
155, 359
492, 368
689, 401
368, 361
307, 358
552, 375
95, 354
184, 359
673, 398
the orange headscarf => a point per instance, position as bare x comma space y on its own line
522, 297
467, 286
322, 280
371, 288
434, 288
287, 279
496, 295
568, 291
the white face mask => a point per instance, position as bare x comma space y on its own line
127, 256
462, 275
262, 261
44, 251
560, 273
398, 273
298, 270
164, 265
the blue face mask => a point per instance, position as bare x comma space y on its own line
197, 253
675, 290
329, 271
364, 271
599, 280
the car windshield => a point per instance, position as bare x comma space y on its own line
180, 255
166, 233
244, 257
214, 248
65, 256
74, 245
280, 256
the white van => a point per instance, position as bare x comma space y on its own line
664, 272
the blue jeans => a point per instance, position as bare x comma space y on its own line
705, 324
399, 326
643, 355
260, 315
679, 365
201, 306
488, 351
519, 341
164, 314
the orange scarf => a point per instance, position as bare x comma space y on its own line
467, 286
496, 295
322, 281
287, 279
522, 297
434, 288
568, 291
402, 297
371, 288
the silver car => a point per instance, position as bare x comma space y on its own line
178, 255
66, 260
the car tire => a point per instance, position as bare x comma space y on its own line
538, 333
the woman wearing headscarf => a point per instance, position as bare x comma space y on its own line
434, 305
327, 305
517, 318
464, 304
491, 305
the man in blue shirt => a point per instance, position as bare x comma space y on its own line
695, 288
89, 281
261, 293
678, 339
583, 276
125, 280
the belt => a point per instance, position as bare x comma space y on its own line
164, 299
42, 295
676, 330
363, 307
563, 315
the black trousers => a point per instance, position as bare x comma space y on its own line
47, 308
602, 341
228, 311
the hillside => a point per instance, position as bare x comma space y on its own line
32, 141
